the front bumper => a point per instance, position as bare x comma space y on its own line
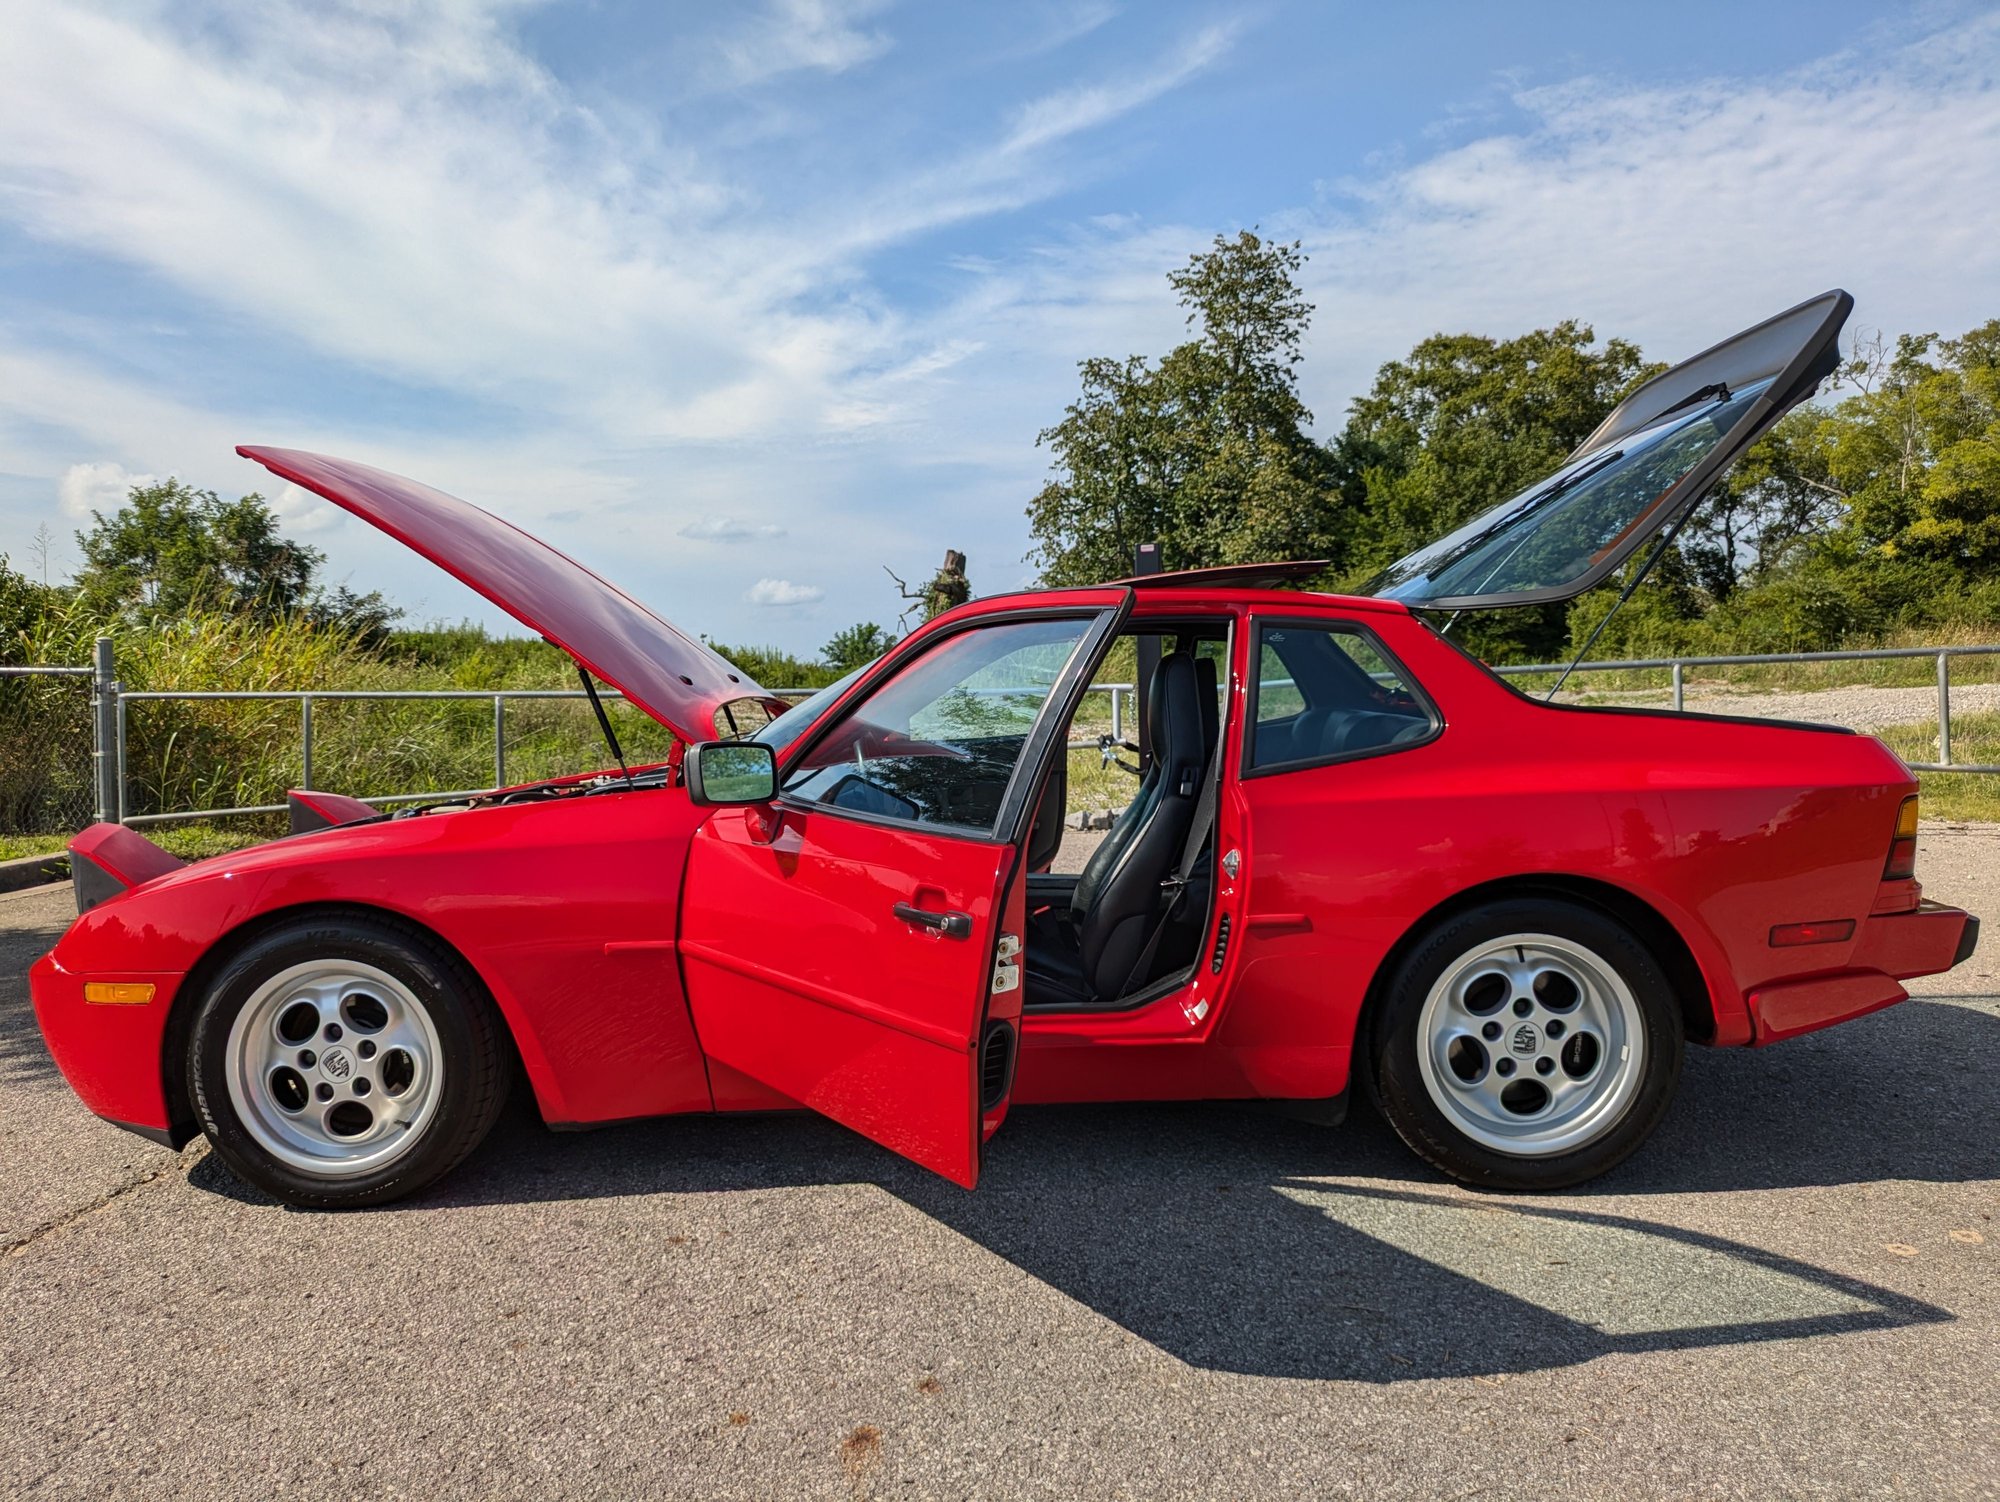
1892, 948
111, 1055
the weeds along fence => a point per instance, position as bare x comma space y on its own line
75, 745
48, 782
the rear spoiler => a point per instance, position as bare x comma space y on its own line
106, 859
311, 809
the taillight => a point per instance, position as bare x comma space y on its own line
1902, 864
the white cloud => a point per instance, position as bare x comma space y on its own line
1057, 116
300, 510
783, 593
102, 486
802, 34
1676, 215
729, 529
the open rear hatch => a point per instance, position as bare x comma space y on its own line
1644, 470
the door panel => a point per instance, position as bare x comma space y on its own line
853, 959
800, 975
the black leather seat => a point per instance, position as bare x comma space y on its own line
1118, 900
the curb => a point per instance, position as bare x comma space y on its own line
33, 871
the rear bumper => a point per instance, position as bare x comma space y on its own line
111, 1055
1892, 948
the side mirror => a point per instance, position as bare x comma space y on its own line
720, 773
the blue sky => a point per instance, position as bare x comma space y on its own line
740, 303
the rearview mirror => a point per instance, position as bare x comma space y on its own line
729, 772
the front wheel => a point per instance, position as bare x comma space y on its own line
1529, 1043
345, 1061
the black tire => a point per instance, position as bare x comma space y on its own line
1394, 1039
471, 1081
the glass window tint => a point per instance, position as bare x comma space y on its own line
1324, 693
1580, 517
938, 742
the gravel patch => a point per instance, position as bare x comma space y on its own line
1857, 708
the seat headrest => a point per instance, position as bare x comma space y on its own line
1211, 709
1174, 706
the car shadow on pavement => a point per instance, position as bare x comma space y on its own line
1246, 1243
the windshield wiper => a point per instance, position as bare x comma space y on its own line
604, 723
1717, 390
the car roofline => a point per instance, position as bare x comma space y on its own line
1171, 601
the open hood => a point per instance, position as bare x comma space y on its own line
1644, 469
677, 680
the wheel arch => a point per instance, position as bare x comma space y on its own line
1652, 927
182, 1127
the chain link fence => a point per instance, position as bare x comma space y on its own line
47, 740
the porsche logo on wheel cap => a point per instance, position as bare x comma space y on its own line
1526, 1039
337, 1062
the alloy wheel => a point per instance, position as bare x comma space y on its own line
334, 1067
1531, 1045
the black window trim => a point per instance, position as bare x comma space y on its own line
1002, 831
1259, 624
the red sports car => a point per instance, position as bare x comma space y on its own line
1355, 853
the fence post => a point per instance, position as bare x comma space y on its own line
306, 741
1117, 719
1944, 708
107, 755
1680, 688
499, 742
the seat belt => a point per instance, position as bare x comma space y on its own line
1197, 836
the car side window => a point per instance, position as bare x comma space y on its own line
1328, 693
938, 742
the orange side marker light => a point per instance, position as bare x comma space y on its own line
118, 993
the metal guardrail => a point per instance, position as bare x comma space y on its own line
306, 698
110, 713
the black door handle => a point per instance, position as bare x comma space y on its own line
951, 925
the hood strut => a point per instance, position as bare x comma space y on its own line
604, 722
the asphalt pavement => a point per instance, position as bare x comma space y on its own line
1791, 1291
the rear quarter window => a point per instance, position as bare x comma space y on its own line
1330, 692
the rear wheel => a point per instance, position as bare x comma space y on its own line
345, 1061
1527, 1044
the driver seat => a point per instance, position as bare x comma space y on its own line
1117, 900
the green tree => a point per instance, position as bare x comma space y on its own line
1876, 512
1459, 425
1206, 452
23, 604
172, 551
1465, 421
856, 645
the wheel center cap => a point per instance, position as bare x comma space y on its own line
338, 1063
1526, 1039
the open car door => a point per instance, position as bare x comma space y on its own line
1643, 470
856, 947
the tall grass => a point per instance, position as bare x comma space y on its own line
183, 754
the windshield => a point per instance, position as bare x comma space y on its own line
1594, 509
788, 726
